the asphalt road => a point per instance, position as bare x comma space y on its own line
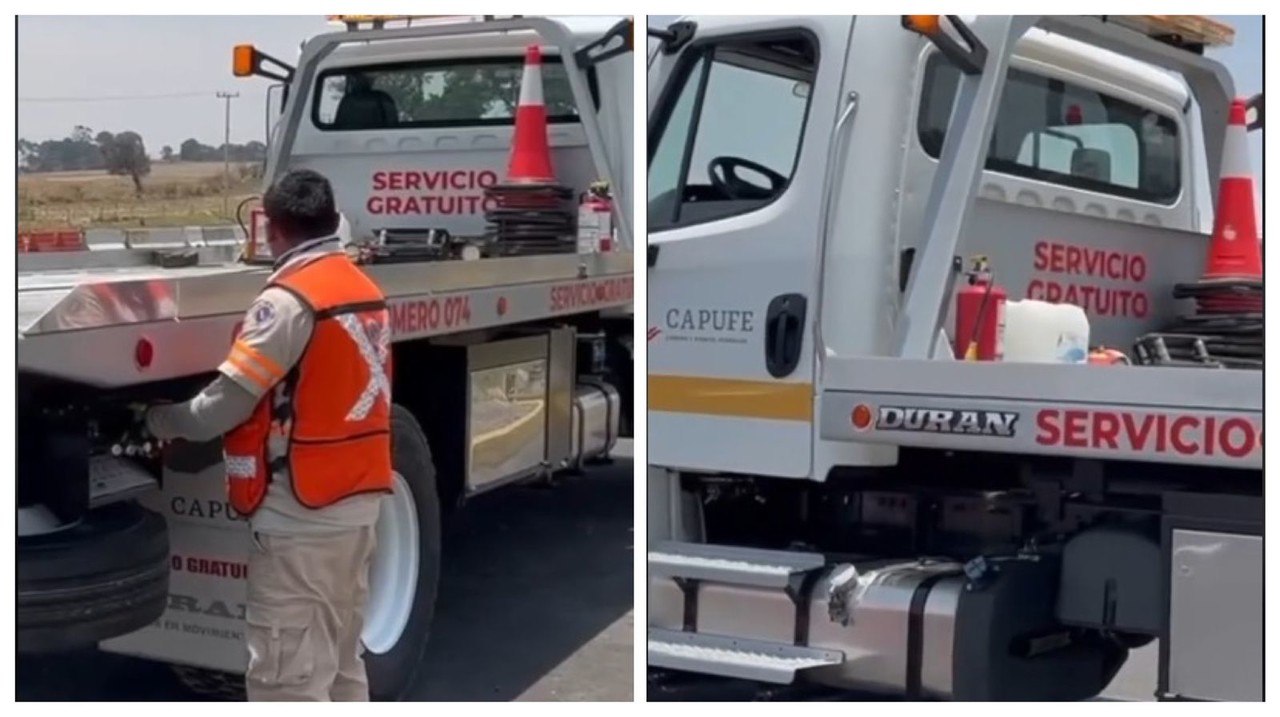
535, 604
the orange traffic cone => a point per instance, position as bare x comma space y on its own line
1235, 253
530, 154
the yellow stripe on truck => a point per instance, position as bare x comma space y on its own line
774, 400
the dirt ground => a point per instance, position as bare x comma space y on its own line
174, 194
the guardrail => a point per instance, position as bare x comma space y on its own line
156, 238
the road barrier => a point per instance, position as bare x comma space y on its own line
101, 239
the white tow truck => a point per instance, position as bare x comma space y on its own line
833, 498
512, 358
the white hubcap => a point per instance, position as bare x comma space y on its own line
393, 579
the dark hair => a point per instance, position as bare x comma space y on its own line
300, 205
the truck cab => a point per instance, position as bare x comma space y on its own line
420, 127
825, 477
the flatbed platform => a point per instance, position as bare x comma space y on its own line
83, 323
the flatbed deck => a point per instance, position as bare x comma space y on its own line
83, 323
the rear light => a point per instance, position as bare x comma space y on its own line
144, 352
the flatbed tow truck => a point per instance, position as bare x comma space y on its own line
513, 358
834, 499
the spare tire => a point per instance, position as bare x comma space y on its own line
105, 577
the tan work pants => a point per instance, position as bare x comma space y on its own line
305, 611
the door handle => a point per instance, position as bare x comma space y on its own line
784, 334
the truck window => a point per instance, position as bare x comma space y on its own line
1053, 131
730, 129
451, 93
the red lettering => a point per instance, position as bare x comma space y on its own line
1106, 427
1041, 261
443, 186
1137, 433
1073, 259
1162, 433
1238, 428
1137, 268
175, 563
584, 295
1186, 435
1076, 424
1177, 429
1115, 265
1056, 258
429, 315
1048, 433
1097, 301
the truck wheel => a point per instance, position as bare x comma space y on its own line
105, 577
406, 565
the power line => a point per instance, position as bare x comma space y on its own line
118, 98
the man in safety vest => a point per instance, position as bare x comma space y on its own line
304, 401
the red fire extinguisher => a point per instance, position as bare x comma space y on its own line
980, 315
595, 220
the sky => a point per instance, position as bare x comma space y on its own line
170, 66
158, 75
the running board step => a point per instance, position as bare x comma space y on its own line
733, 565
734, 657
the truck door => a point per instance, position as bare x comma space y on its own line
738, 149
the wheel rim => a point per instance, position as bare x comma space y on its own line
393, 577
39, 520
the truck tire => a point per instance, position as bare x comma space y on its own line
103, 578
393, 672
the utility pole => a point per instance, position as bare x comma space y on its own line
226, 98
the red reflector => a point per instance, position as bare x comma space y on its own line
143, 353
861, 417
1075, 115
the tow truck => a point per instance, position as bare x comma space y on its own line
513, 357
836, 496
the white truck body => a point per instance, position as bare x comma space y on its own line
493, 375
784, 330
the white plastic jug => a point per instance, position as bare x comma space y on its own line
1041, 332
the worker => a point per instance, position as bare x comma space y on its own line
303, 399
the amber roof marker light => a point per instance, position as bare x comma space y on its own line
249, 61
969, 57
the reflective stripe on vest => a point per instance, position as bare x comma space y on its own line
375, 358
338, 412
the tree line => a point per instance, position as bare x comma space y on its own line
122, 153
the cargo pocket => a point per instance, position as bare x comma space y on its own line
281, 649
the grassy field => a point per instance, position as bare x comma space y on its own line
174, 194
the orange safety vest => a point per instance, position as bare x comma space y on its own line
338, 415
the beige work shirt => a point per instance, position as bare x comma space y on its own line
274, 335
